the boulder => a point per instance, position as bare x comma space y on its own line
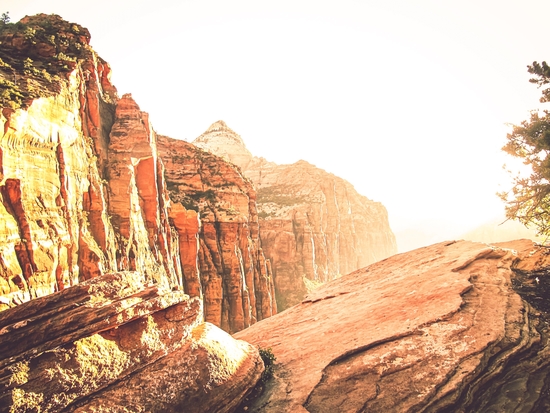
116, 344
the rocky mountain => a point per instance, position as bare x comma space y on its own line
314, 226
116, 244
453, 327
84, 191
232, 274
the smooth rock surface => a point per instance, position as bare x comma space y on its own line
438, 329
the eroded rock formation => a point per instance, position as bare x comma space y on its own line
232, 272
83, 190
119, 343
313, 224
454, 327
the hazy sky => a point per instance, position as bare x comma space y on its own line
406, 99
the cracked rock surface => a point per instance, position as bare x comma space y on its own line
445, 328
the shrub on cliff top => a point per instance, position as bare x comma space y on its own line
269, 362
5, 19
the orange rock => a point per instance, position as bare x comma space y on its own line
442, 328
236, 284
94, 346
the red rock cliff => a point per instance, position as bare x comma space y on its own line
232, 272
83, 189
313, 225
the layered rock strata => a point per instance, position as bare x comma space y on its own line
314, 225
83, 190
55, 229
456, 326
232, 272
115, 343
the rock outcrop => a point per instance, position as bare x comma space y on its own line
118, 343
314, 226
83, 191
454, 327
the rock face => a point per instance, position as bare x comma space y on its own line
454, 327
314, 226
83, 190
232, 273
115, 343
55, 230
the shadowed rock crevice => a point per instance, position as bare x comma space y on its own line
11, 199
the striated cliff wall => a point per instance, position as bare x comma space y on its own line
83, 190
232, 271
314, 226
104, 277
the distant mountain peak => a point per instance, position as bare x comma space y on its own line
218, 126
221, 140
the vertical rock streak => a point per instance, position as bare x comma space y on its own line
236, 283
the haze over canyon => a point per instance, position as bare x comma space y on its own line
142, 273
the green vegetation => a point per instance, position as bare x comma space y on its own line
36, 53
10, 94
264, 214
529, 199
311, 284
280, 195
269, 362
5, 19
208, 195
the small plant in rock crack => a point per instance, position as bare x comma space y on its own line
269, 362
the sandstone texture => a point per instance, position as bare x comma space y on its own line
314, 226
232, 273
118, 344
454, 327
84, 192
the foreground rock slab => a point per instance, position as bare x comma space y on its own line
118, 344
439, 329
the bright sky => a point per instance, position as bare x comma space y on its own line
408, 100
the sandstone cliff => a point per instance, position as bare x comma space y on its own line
83, 190
454, 327
232, 272
313, 224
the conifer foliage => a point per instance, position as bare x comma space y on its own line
529, 199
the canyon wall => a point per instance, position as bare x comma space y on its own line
106, 276
314, 226
232, 271
83, 190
